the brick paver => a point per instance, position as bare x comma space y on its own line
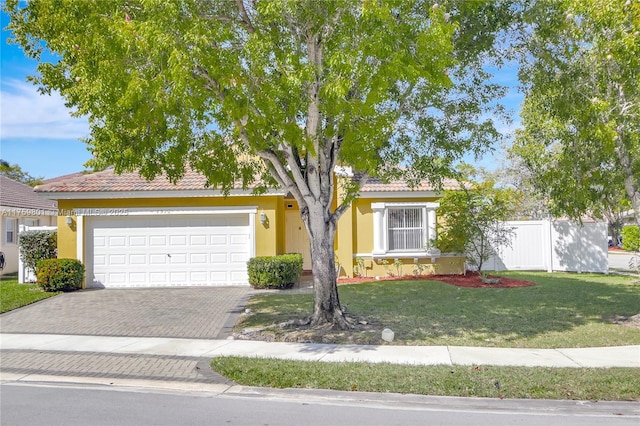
196, 313
120, 366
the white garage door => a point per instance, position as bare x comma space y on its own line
172, 250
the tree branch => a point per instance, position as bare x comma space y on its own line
245, 17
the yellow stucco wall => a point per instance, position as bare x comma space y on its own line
354, 232
362, 237
268, 241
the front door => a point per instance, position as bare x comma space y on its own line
297, 238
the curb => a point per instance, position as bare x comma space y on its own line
598, 409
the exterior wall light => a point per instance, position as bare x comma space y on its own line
263, 217
69, 220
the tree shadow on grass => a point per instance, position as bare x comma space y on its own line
429, 311
566, 306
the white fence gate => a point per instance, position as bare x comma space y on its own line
554, 246
27, 275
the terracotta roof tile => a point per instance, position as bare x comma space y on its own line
108, 181
18, 195
376, 185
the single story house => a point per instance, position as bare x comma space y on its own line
20, 207
130, 232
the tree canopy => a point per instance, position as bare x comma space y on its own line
275, 93
15, 172
581, 114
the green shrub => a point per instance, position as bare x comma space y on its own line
631, 238
35, 246
60, 274
275, 271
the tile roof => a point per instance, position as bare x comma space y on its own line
108, 181
376, 185
18, 195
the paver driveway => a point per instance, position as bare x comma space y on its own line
196, 313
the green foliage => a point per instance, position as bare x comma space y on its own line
397, 263
14, 295
275, 93
581, 137
569, 311
60, 274
472, 221
37, 245
15, 172
617, 384
359, 269
631, 238
275, 271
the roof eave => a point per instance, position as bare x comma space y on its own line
94, 195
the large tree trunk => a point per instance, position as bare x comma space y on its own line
327, 308
630, 179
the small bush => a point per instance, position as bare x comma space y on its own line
631, 238
35, 246
275, 271
60, 274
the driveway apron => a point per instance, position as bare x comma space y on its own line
195, 313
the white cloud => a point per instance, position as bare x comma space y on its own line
25, 113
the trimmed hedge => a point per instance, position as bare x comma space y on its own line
60, 274
278, 272
631, 238
37, 245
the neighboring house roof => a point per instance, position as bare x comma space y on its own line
107, 181
376, 185
16, 195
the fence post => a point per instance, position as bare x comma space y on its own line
548, 239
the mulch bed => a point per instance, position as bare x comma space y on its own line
471, 279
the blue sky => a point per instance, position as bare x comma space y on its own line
38, 133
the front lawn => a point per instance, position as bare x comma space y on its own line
561, 310
14, 295
613, 384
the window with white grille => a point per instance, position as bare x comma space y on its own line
10, 230
405, 229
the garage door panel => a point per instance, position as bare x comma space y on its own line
138, 241
138, 259
178, 259
117, 241
218, 240
157, 259
117, 259
177, 240
198, 240
117, 278
239, 258
169, 251
157, 240
195, 258
137, 278
198, 277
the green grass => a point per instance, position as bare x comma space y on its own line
561, 310
14, 295
612, 384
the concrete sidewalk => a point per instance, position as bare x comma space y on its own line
620, 356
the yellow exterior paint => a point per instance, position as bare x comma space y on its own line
354, 230
268, 241
362, 243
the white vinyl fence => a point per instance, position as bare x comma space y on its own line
27, 275
545, 245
